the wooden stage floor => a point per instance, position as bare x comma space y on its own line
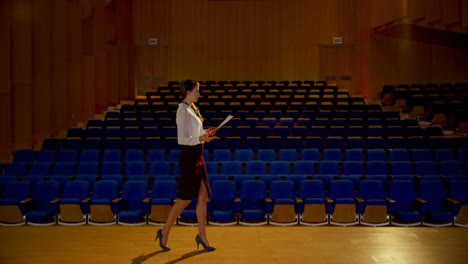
235, 244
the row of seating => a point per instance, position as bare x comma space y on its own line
28, 156
284, 130
329, 165
103, 204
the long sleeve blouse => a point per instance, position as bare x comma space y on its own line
189, 126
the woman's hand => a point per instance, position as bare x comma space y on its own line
212, 131
207, 138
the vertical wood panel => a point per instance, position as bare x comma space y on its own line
74, 62
465, 12
433, 10
21, 50
5, 82
41, 69
416, 9
59, 83
452, 11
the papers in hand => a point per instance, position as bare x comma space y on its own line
229, 117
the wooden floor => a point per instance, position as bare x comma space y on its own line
235, 244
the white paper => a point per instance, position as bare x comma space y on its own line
229, 117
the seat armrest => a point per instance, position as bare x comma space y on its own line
56, 200
26, 200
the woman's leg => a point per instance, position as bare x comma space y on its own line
201, 212
176, 210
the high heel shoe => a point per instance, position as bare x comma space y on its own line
205, 246
159, 236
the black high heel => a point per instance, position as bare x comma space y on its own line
205, 246
160, 236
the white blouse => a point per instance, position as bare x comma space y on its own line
189, 126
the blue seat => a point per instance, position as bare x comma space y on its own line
310, 154
252, 122
112, 155
262, 131
395, 142
112, 143
162, 197
90, 155
89, 167
462, 154
243, 131
426, 168
319, 131
289, 155
46, 156
39, 169
372, 205
377, 168
273, 142
212, 168
417, 142
355, 142
64, 168
74, 206
111, 167
304, 167
231, 168
399, 155
313, 209
71, 143
255, 167
233, 143
435, 209
222, 203
283, 195
134, 155
149, 132
267, 155
333, 142
225, 131
343, 211
314, 143
243, 155
269, 122
24, 155
52, 144
421, 155
353, 168
174, 155
252, 203
212, 145
306, 122
75, 132
158, 168
188, 217
452, 169
13, 202
286, 121
156, 155
104, 203
376, 155
457, 192
254, 143
221, 155
401, 168
328, 167
44, 206
332, 154
113, 177
356, 131
281, 131
338, 131
280, 168
68, 155
300, 131
135, 168
354, 155
151, 143
133, 207
376, 143
403, 205
443, 155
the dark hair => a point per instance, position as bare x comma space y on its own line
189, 85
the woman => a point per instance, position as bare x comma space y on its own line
194, 179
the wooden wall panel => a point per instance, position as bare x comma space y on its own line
21, 82
385, 11
41, 69
452, 12
74, 60
59, 78
433, 10
416, 9
465, 13
5, 80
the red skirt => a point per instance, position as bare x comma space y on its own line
192, 172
